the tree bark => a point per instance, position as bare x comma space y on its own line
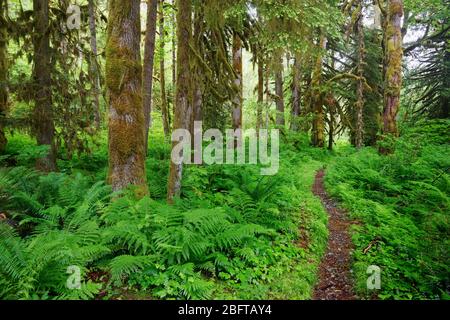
331, 104
183, 100
95, 75
393, 63
174, 49
296, 93
280, 120
259, 110
359, 128
199, 78
237, 67
162, 69
147, 76
318, 128
3, 73
124, 82
44, 127
268, 100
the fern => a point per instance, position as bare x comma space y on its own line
123, 266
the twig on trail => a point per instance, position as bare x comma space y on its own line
374, 242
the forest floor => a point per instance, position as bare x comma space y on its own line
335, 280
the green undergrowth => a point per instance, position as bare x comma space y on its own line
401, 202
232, 234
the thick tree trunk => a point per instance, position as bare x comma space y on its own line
393, 66
3, 73
237, 67
183, 100
359, 128
296, 93
199, 78
124, 83
147, 76
318, 128
280, 120
44, 127
95, 75
162, 69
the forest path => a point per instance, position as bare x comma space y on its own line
335, 281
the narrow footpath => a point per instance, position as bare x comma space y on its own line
335, 280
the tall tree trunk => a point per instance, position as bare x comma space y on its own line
44, 126
124, 83
331, 130
3, 72
162, 69
198, 74
147, 76
259, 108
268, 100
183, 101
174, 64
174, 47
95, 75
237, 66
331, 104
359, 128
296, 93
318, 128
393, 64
279, 93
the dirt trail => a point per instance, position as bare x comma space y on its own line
335, 282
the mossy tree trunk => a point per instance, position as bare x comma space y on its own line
359, 105
43, 123
280, 120
331, 103
149, 55
183, 99
162, 69
94, 72
393, 66
296, 92
268, 99
237, 67
124, 84
3, 72
198, 84
174, 50
318, 128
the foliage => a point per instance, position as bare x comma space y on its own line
232, 231
402, 204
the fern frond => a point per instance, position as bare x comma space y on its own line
123, 266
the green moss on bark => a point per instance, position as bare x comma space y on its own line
124, 83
